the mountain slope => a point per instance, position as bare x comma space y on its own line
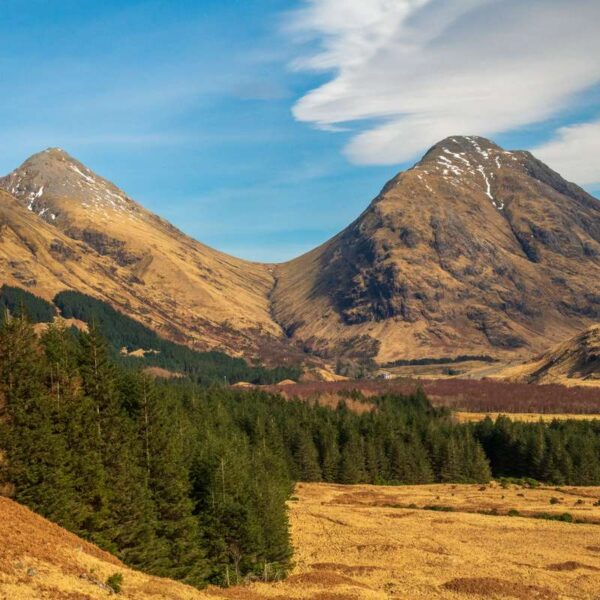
474, 250
39, 559
149, 269
574, 362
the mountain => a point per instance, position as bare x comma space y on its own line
71, 229
474, 250
574, 362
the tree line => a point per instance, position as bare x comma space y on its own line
563, 452
121, 331
191, 482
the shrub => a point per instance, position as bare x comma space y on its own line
564, 517
114, 582
513, 512
438, 507
554, 500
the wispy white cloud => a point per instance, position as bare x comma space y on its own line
574, 153
416, 71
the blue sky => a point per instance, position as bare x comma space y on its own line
262, 127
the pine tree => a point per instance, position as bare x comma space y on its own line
352, 461
168, 481
128, 519
451, 467
305, 456
38, 457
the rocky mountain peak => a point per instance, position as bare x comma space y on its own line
469, 151
52, 181
474, 250
465, 145
474, 247
472, 161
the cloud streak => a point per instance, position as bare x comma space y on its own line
574, 153
406, 73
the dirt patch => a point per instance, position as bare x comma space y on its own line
356, 570
316, 596
490, 586
367, 498
377, 547
399, 515
324, 578
326, 596
55, 593
570, 565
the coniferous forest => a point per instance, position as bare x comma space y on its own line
123, 332
191, 482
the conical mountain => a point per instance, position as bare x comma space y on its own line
473, 251
140, 263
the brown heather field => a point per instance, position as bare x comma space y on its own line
465, 395
357, 542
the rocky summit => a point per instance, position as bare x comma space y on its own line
474, 250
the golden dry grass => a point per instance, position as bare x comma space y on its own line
357, 542
39, 560
470, 417
353, 542
386, 552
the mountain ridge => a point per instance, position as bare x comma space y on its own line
575, 361
465, 252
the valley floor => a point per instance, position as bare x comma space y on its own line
358, 542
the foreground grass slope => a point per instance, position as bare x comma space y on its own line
40, 560
356, 542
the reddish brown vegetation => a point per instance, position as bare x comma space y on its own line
490, 586
570, 565
467, 395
